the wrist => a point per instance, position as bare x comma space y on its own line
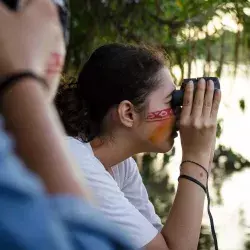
8, 83
23, 89
13, 69
202, 159
194, 171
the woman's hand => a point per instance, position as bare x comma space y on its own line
40, 47
198, 122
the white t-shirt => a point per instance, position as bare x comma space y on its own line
123, 198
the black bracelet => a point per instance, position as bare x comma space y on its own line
193, 180
9, 80
197, 164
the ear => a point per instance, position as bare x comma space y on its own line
127, 114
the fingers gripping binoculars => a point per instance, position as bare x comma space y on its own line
177, 96
63, 11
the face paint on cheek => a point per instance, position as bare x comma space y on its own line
163, 131
166, 120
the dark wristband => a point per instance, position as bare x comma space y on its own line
193, 180
8, 81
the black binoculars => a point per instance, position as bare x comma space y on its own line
177, 96
63, 11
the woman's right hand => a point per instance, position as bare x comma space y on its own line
198, 121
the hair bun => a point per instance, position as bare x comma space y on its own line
74, 113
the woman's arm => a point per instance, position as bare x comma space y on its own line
40, 138
182, 228
198, 123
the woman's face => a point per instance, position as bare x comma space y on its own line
157, 130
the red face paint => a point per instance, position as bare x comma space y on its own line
166, 121
160, 115
55, 64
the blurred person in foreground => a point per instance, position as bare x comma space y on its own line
41, 197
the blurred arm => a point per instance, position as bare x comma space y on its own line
40, 138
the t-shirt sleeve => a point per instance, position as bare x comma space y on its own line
135, 191
111, 200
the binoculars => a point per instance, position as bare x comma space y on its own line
177, 96
63, 11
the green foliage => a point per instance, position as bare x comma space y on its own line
219, 128
206, 241
157, 182
165, 24
242, 104
247, 242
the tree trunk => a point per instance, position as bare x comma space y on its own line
207, 68
237, 39
189, 59
236, 51
222, 55
158, 7
191, 54
179, 61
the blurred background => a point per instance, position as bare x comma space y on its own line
201, 38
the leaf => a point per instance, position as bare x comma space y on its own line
219, 128
179, 3
242, 105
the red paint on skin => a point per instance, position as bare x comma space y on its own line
53, 71
160, 115
55, 64
166, 120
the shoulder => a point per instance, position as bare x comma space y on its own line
86, 159
97, 177
77, 145
81, 151
126, 168
126, 171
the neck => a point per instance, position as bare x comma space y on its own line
113, 151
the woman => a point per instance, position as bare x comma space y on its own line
121, 106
